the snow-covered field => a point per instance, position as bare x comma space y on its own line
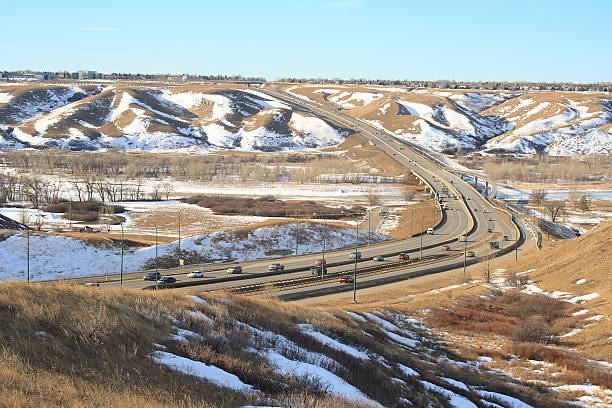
56, 257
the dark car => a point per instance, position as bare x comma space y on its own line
151, 276
404, 257
166, 280
318, 270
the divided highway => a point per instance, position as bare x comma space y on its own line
468, 214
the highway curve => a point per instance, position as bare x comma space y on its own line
469, 213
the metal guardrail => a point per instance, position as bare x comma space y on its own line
333, 275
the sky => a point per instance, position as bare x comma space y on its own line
471, 40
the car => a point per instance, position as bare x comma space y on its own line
318, 270
320, 262
403, 257
471, 254
378, 258
475, 209
94, 284
234, 269
355, 255
346, 279
152, 276
166, 280
446, 247
276, 267
430, 230
195, 274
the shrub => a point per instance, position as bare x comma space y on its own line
87, 216
172, 260
267, 206
535, 329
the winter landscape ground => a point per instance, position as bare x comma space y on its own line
101, 176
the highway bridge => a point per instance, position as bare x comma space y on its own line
468, 224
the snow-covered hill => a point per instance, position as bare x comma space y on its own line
156, 119
195, 117
559, 123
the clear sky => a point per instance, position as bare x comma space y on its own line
538, 40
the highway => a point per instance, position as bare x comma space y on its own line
467, 213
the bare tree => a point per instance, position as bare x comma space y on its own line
538, 196
168, 189
77, 188
554, 207
584, 203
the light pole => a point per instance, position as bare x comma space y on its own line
27, 221
355, 269
179, 243
411, 222
433, 212
121, 270
422, 233
323, 265
369, 230
156, 260
465, 258
518, 235
156, 266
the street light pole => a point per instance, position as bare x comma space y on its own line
179, 243
465, 258
323, 265
28, 246
355, 269
121, 270
156, 261
422, 233
369, 230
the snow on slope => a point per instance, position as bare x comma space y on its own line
190, 118
560, 123
26, 103
5, 97
53, 256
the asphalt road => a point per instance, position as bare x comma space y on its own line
469, 213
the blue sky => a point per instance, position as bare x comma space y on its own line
425, 40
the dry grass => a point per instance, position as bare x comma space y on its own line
561, 264
94, 352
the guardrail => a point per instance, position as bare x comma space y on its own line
238, 277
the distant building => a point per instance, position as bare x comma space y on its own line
83, 74
19, 75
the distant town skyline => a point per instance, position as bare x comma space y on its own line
546, 41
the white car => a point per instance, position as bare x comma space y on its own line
276, 267
195, 274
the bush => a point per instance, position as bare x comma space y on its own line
267, 206
568, 359
82, 207
535, 329
87, 216
172, 260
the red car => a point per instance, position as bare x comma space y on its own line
346, 279
404, 256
